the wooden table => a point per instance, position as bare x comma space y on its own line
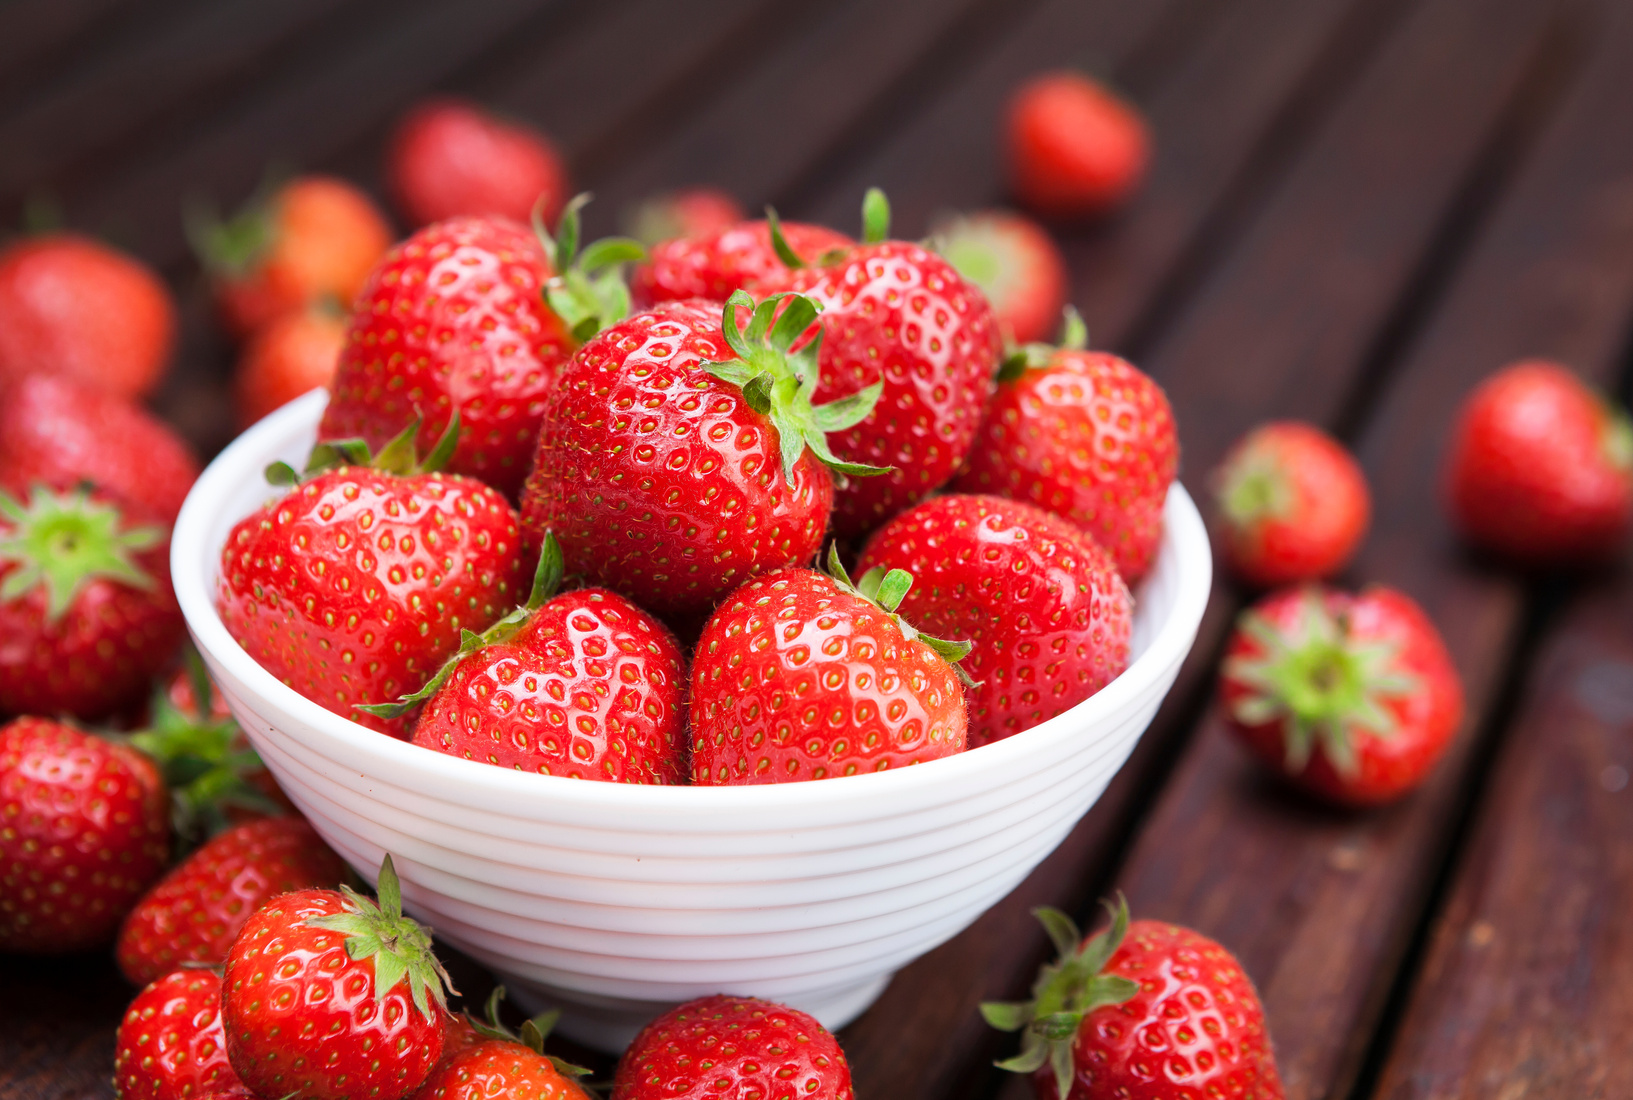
1358, 208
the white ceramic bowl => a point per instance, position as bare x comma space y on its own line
618, 901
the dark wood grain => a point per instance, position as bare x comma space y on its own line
1525, 988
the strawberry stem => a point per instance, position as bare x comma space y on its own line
64, 542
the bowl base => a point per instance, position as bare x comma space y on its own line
610, 1023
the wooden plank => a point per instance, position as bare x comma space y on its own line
39, 37
1524, 991
57, 1025
1320, 906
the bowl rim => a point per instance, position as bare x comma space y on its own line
194, 569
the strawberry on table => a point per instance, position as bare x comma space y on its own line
898, 316
689, 212
356, 585
483, 1060
59, 432
1015, 263
196, 911
805, 675
1085, 435
681, 454
1043, 606
293, 355
741, 256
1072, 146
329, 995
86, 829
733, 1046
1351, 697
582, 684
87, 613
1293, 504
171, 1045
73, 307
1540, 468
1142, 1009
312, 240
450, 159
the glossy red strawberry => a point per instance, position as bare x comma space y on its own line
897, 315
84, 828
450, 159
329, 996
733, 1046
804, 675
171, 1045
87, 613
742, 256
681, 453
454, 319
195, 912
582, 684
1293, 505
1073, 148
57, 432
313, 240
689, 212
1143, 1009
70, 306
1351, 697
1015, 263
294, 354
1044, 607
1084, 435
355, 586
1541, 468
483, 1060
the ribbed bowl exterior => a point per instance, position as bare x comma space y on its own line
618, 901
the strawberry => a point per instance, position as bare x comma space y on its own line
899, 316
1293, 505
1085, 435
356, 585
195, 912
1014, 262
70, 306
484, 1060
313, 240
466, 316
58, 432
1044, 607
87, 614
733, 1046
290, 356
1143, 1009
681, 455
1350, 697
742, 256
583, 684
329, 995
171, 1045
1540, 468
1072, 147
83, 831
805, 675
690, 212
451, 159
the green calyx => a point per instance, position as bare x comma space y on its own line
875, 228
531, 1035
399, 456
778, 382
400, 946
64, 542
1074, 336
1254, 486
234, 246
1067, 990
547, 577
1322, 684
203, 760
588, 291
886, 589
